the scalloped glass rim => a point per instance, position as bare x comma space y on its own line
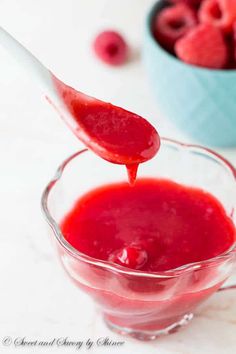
149, 32
111, 266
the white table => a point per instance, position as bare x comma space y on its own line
37, 301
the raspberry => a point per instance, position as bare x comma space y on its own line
220, 13
172, 23
131, 257
111, 47
203, 46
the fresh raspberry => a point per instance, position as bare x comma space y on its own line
131, 257
220, 13
203, 46
111, 47
172, 23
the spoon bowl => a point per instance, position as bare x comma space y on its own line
111, 132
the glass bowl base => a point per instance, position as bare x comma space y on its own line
149, 335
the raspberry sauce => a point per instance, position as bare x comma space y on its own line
113, 133
154, 226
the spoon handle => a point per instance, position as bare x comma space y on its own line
40, 74
29, 62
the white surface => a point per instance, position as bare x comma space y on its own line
37, 301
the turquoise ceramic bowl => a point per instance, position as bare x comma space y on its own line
200, 102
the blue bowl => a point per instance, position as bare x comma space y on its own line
201, 102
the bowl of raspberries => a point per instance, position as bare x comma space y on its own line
190, 57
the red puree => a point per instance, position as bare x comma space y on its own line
113, 133
157, 225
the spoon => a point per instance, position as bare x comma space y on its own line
113, 133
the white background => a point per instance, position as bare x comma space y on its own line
36, 300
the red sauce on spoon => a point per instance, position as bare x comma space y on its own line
113, 133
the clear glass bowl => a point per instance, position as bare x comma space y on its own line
143, 305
